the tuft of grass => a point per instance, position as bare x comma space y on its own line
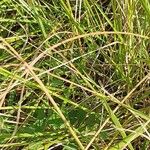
76, 73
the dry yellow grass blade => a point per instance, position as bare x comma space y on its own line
83, 36
44, 89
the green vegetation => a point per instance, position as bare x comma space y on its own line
75, 72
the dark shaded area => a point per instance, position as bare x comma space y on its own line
58, 146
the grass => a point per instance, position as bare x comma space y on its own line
75, 72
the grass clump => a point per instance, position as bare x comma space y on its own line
76, 73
